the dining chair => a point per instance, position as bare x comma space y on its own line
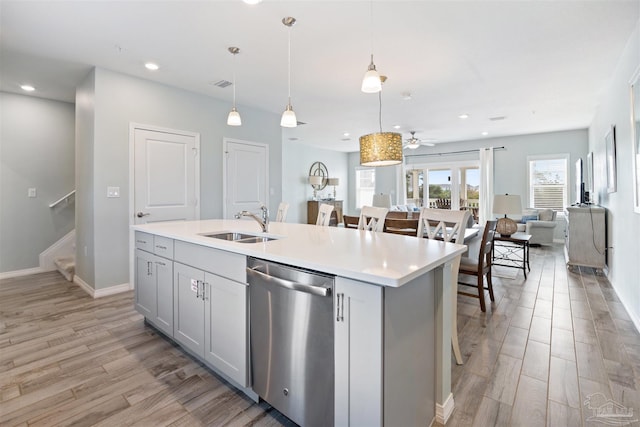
449, 226
481, 266
350, 221
324, 215
372, 218
406, 227
281, 215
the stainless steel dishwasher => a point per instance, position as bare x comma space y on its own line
292, 341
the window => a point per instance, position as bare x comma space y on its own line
365, 187
548, 181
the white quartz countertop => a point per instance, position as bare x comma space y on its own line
380, 258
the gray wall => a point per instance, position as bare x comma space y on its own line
85, 129
296, 190
120, 100
623, 225
36, 150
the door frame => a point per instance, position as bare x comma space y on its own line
225, 142
133, 126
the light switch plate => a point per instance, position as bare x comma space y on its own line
31, 192
113, 191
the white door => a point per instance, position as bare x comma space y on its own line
166, 175
246, 176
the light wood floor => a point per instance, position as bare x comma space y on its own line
533, 359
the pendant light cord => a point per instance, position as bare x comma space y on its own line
234, 80
380, 110
289, 64
371, 27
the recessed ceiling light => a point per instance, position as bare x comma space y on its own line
485, 133
252, 1
406, 96
346, 134
397, 126
151, 66
27, 88
463, 116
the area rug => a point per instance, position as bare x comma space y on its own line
504, 272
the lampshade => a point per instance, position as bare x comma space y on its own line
381, 201
371, 81
506, 204
316, 179
381, 149
333, 181
234, 118
289, 118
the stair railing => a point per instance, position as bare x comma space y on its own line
64, 198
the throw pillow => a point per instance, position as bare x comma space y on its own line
546, 215
527, 218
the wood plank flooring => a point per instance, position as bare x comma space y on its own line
543, 348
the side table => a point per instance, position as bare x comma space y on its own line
512, 251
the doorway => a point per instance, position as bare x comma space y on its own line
245, 176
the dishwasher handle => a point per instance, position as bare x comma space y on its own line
295, 286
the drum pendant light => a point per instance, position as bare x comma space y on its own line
381, 148
289, 116
234, 117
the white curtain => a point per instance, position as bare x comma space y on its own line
486, 185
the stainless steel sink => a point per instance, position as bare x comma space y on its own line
234, 236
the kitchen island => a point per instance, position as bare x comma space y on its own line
392, 329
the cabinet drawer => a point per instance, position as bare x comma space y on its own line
163, 246
225, 264
144, 241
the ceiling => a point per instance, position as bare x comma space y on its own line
515, 67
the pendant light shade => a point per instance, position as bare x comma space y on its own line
381, 149
233, 119
371, 81
289, 119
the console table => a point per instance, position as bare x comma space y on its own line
314, 205
512, 251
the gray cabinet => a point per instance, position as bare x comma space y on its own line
210, 310
584, 236
154, 281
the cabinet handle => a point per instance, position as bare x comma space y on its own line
149, 264
340, 307
204, 287
144, 242
198, 289
161, 247
161, 263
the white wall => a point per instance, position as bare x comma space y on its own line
36, 151
120, 100
623, 225
296, 190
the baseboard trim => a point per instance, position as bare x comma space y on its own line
444, 411
634, 319
25, 272
103, 292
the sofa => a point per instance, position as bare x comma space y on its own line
540, 223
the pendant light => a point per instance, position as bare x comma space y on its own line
234, 117
371, 81
381, 148
289, 116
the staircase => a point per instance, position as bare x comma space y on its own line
61, 256
66, 266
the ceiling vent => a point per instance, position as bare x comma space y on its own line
222, 83
497, 118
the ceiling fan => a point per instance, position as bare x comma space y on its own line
413, 142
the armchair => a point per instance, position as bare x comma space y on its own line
540, 224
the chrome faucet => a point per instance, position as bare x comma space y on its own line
263, 220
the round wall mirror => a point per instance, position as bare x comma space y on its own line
319, 169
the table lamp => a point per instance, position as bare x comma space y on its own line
506, 204
334, 182
316, 182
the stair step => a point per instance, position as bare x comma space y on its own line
66, 266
